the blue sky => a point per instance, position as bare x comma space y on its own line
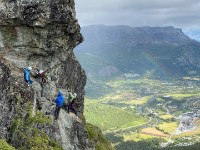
183, 14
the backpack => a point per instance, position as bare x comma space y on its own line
70, 98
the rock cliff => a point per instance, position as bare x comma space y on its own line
42, 34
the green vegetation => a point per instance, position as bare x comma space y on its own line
137, 137
168, 127
5, 146
114, 138
25, 132
96, 89
146, 144
109, 117
160, 99
167, 116
95, 134
180, 96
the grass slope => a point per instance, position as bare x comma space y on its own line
109, 117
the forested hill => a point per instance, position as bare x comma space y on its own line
159, 51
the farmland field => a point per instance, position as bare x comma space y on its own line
144, 109
109, 117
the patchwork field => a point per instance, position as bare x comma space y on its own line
143, 109
167, 116
153, 132
137, 137
168, 127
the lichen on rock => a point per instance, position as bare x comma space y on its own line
40, 34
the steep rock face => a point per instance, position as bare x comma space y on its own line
40, 34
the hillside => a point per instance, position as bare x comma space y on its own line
114, 50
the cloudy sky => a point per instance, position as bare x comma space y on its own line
183, 14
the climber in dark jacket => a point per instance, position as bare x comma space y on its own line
27, 72
71, 107
59, 102
71, 100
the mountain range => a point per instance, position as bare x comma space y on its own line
159, 52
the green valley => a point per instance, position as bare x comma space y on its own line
141, 109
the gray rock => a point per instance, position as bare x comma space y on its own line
40, 34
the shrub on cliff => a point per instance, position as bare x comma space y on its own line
95, 134
5, 146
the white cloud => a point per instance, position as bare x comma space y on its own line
183, 14
178, 13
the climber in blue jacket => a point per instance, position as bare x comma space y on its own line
27, 76
59, 102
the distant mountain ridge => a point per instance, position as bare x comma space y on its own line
110, 34
163, 51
